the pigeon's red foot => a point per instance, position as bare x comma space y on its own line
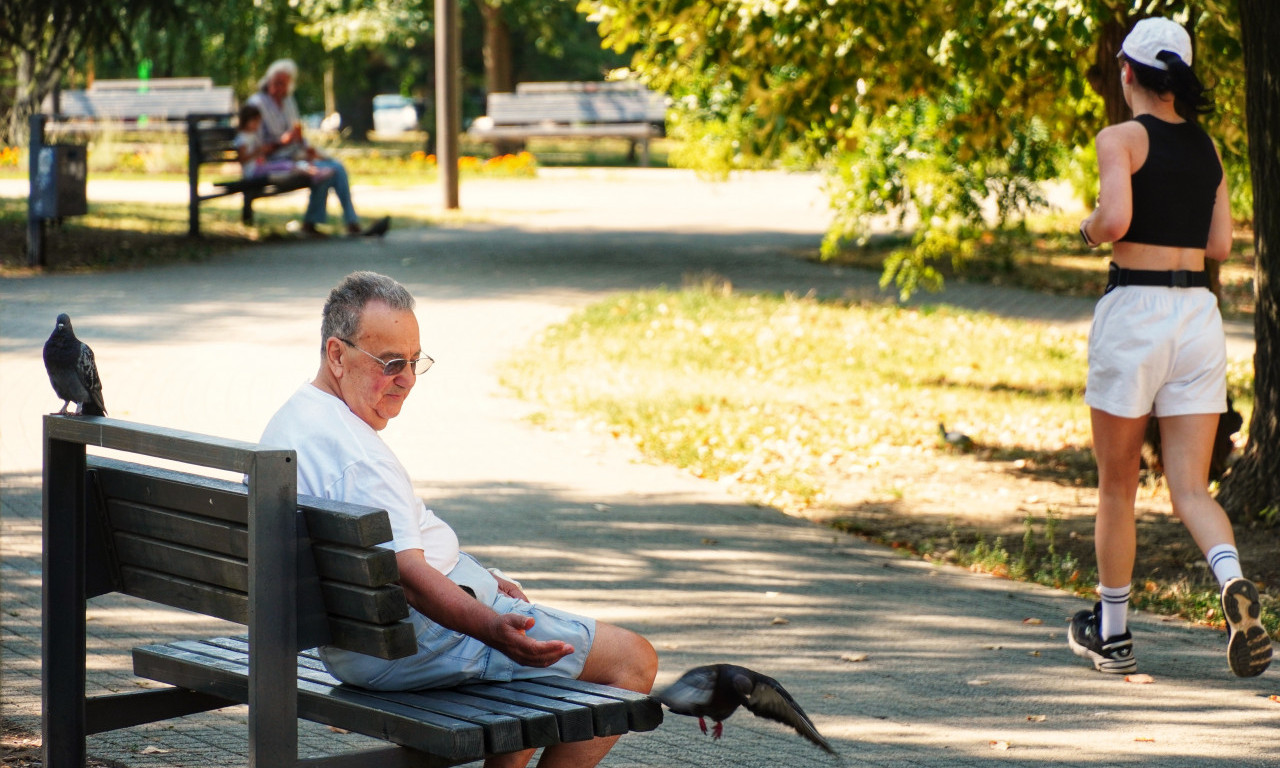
702, 724
717, 731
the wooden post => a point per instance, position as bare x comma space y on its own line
448, 101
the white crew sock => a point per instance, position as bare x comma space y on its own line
1115, 609
1224, 559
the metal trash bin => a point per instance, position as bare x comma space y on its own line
58, 184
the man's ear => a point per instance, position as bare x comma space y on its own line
334, 349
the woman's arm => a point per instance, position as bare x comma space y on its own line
1110, 219
1219, 245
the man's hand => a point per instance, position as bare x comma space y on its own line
510, 588
509, 637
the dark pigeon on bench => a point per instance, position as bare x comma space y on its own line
716, 691
72, 371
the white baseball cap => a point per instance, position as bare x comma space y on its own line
1151, 36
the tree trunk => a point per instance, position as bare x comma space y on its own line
499, 76
1104, 74
1252, 487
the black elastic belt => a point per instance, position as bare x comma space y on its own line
1165, 278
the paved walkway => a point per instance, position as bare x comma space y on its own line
960, 669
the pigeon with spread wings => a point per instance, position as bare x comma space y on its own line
72, 371
716, 691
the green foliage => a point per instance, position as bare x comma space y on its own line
817, 78
903, 166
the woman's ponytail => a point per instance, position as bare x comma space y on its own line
1190, 96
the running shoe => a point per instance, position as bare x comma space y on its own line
1248, 647
1114, 655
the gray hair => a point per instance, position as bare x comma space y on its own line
347, 301
276, 67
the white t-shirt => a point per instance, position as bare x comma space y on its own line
340, 457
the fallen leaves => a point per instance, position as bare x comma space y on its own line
778, 621
1002, 746
1033, 621
1274, 698
1139, 679
853, 658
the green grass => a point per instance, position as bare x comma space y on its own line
782, 394
116, 235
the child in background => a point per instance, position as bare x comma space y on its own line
254, 158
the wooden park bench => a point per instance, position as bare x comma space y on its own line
211, 141
575, 110
160, 104
298, 572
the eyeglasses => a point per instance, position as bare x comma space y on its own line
419, 365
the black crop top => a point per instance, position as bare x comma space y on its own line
1175, 189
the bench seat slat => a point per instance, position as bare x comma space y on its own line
609, 716
574, 720
502, 732
644, 713
208, 669
539, 727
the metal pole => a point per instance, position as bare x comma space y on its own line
62, 623
35, 224
448, 103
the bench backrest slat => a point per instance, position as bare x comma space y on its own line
576, 107
182, 540
131, 105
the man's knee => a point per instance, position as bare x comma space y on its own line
621, 658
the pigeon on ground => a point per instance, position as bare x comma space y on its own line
956, 441
72, 372
717, 690
378, 228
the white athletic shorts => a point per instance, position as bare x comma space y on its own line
447, 658
1156, 349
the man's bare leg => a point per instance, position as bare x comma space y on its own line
621, 659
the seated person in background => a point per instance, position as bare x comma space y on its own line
281, 134
253, 153
472, 623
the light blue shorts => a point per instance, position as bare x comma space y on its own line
447, 658
1157, 349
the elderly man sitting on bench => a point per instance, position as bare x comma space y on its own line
470, 621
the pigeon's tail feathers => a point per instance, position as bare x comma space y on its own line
94, 407
770, 700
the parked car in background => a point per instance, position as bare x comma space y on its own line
393, 113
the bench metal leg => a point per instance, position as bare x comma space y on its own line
62, 642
